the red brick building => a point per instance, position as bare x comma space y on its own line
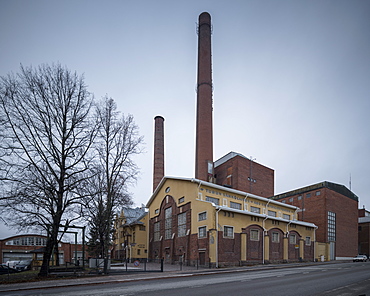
30, 246
364, 232
334, 209
236, 171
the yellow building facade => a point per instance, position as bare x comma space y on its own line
130, 239
198, 222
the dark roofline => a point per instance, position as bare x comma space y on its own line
341, 189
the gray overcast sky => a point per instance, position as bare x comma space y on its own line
291, 78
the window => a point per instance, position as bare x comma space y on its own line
168, 223
318, 193
308, 241
300, 197
181, 224
157, 231
142, 227
202, 232
138, 251
27, 241
292, 239
235, 205
308, 195
331, 226
202, 216
291, 199
283, 201
272, 213
216, 201
181, 199
255, 235
255, 210
286, 216
275, 237
228, 232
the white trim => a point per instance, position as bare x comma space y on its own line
219, 187
302, 223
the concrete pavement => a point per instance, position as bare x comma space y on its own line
119, 277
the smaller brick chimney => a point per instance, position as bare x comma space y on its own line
158, 159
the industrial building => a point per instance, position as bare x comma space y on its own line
334, 209
198, 222
222, 216
31, 247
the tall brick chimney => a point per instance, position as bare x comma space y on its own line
158, 159
204, 130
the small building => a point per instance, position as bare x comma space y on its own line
364, 232
333, 208
130, 239
203, 223
31, 247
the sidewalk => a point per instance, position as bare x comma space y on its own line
169, 271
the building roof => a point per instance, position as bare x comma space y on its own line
133, 215
364, 219
341, 189
229, 156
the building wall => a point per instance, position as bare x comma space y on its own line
315, 203
363, 238
242, 174
19, 247
215, 246
130, 241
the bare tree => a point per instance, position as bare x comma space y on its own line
46, 139
116, 144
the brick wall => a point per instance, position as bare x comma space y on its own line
242, 174
314, 206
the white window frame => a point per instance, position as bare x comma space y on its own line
292, 238
235, 205
255, 210
181, 224
205, 231
252, 237
273, 234
201, 214
271, 213
229, 227
214, 200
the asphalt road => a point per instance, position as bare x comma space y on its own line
332, 279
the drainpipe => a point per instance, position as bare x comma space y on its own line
200, 183
287, 228
267, 206
314, 244
217, 237
263, 240
245, 199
